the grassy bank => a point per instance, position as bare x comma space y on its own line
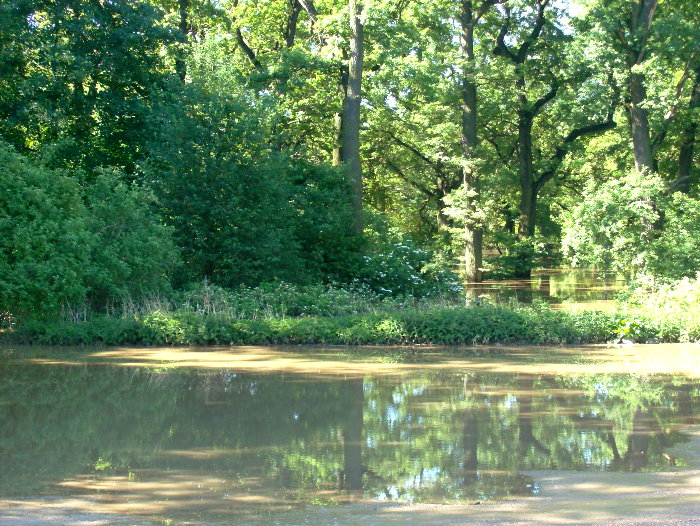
446, 325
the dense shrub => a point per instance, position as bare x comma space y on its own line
243, 212
131, 252
393, 268
674, 306
520, 257
63, 243
44, 241
633, 225
446, 326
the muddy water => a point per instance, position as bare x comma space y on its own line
232, 434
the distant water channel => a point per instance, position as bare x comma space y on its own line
564, 288
183, 435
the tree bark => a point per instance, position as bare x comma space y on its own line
687, 149
351, 115
528, 196
474, 233
634, 44
180, 64
639, 122
290, 31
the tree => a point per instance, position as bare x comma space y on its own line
536, 57
474, 231
351, 121
88, 75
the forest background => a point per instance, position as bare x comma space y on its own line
329, 156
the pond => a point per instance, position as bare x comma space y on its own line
233, 434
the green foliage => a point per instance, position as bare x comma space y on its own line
401, 268
633, 225
84, 76
44, 240
131, 252
243, 214
64, 244
520, 257
445, 325
670, 304
280, 299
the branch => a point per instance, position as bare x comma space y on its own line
563, 149
247, 50
521, 55
290, 30
535, 33
308, 6
404, 177
501, 47
671, 113
542, 101
485, 6
646, 14
435, 166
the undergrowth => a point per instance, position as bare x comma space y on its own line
441, 325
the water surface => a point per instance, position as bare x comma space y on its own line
188, 435
564, 288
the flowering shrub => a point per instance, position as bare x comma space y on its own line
402, 269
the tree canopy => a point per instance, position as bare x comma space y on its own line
151, 143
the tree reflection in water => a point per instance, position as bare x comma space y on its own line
192, 443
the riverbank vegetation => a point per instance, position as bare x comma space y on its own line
333, 171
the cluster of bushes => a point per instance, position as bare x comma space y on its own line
637, 226
440, 325
67, 240
667, 302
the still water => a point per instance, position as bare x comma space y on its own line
186, 435
564, 288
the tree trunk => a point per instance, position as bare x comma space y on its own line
338, 140
180, 64
687, 148
290, 32
473, 231
351, 116
634, 44
528, 195
639, 120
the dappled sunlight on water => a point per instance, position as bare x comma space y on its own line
339, 361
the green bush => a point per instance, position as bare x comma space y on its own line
443, 326
674, 306
633, 225
131, 251
44, 241
400, 268
520, 258
66, 244
242, 212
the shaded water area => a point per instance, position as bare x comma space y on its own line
237, 434
564, 288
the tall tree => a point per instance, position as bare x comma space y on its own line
632, 35
534, 56
351, 113
474, 232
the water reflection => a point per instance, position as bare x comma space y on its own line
193, 444
563, 288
